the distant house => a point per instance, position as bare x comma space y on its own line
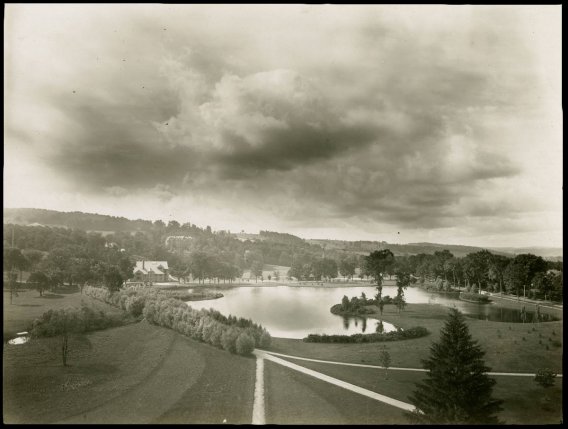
151, 271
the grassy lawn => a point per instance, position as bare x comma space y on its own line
506, 351
294, 398
522, 395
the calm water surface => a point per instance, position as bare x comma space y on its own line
295, 312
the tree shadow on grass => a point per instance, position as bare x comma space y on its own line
67, 291
50, 296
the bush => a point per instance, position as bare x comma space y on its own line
545, 377
415, 332
245, 344
135, 306
229, 340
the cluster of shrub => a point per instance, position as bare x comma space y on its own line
415, 332
354, 306
55, 322
236, 335
476, 297
357, 305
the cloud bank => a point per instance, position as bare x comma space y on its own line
357, 121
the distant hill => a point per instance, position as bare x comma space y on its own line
552, 253
107, 224
364, 247
80, 220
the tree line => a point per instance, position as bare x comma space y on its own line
524, 274
62, 255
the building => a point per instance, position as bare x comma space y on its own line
178, 243
151, 271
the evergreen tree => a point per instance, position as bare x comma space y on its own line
457, 389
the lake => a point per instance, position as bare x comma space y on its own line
296, 311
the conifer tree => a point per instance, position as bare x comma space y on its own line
457, 389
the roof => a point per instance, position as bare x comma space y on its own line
151, 266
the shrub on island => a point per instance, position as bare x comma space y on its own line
414, 332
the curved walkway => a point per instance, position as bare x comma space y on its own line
266, 352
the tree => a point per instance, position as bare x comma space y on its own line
545, 377
515, 276
497, 269
256, 269
402, 281
457, 389
557, 286
375, 265
385, 360
59, 322
39, 280
112, 279
347, 267
80, 269
13, 260
521, 271
33, 256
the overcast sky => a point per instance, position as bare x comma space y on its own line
395, 123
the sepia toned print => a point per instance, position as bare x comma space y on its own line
282, 214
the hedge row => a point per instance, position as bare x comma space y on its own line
234, 335
415, 332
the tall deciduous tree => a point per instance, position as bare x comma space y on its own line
39, 280
457, 389
13, 260
256, 269
376, 264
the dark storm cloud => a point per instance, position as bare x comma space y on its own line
117, 145
289, 148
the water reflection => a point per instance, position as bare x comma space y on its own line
493, 313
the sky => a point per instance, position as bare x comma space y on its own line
391, 123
